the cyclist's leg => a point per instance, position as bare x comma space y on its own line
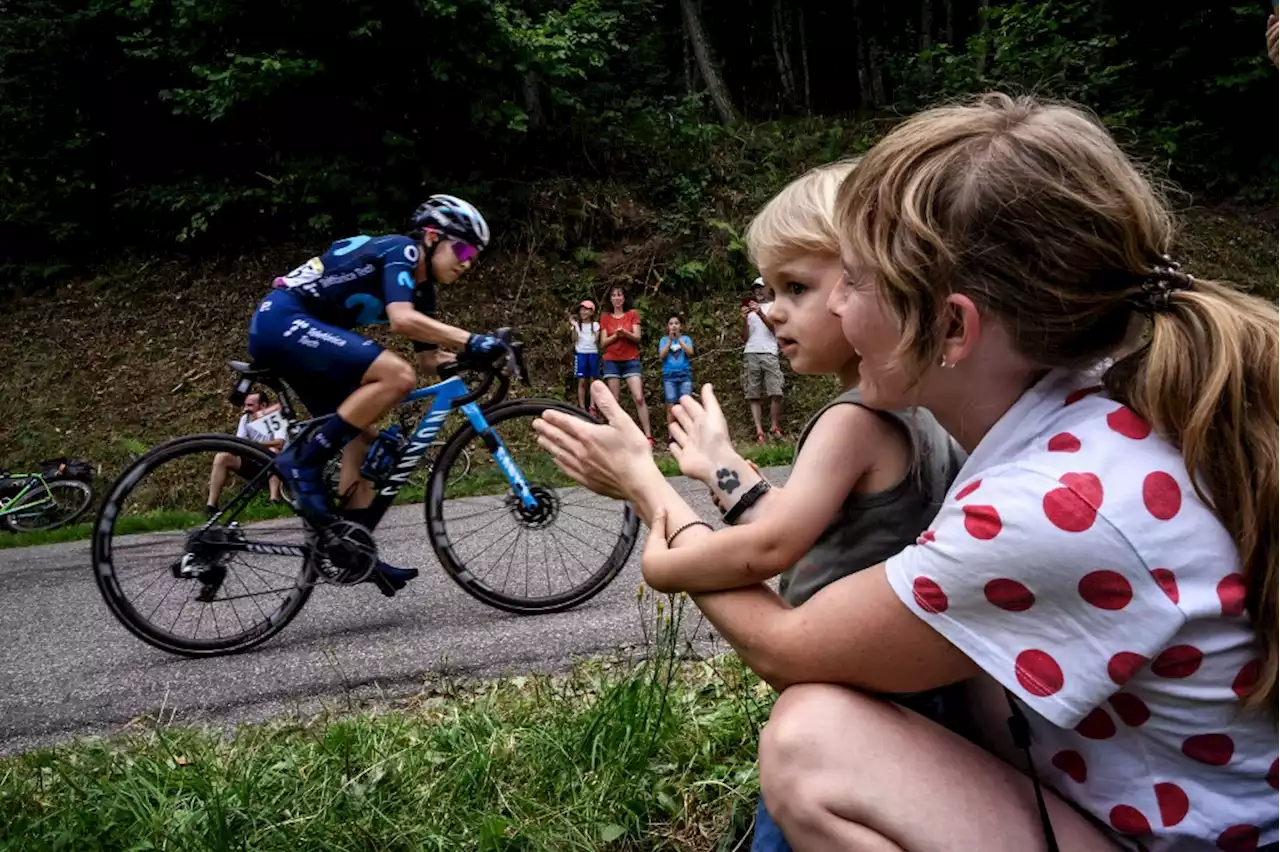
843, 770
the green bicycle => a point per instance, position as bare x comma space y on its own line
55, 497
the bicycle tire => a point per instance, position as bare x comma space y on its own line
84, 498
458, 572
104, 568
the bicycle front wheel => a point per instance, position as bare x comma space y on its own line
510, 556
56, 504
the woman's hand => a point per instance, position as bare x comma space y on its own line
702, 435
612, 459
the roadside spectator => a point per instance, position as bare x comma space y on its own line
1273, 38
675, 350
586, 351
619, 336
760, 368
260, 422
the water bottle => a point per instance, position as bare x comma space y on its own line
378, 461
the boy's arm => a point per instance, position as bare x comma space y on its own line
687, 344
664, 347
841, 448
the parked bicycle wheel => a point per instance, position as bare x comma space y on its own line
225, 584
511, 557
49, 506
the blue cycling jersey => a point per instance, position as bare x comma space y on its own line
352, 283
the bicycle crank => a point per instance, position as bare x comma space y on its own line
347, 554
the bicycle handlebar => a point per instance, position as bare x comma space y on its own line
512, 364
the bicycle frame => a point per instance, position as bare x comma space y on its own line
444, 398
13, 504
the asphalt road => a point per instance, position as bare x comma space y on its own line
69, 669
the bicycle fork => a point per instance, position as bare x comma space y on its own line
499, 452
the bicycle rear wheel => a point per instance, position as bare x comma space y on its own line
63, 502
524, 561
220, 585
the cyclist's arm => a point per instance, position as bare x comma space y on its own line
407, 321
787, 526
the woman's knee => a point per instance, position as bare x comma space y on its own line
796, 758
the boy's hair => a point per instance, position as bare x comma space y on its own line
675, 317
1032, 210
799, 220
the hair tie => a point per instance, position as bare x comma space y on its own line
1158, 285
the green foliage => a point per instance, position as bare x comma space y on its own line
162, 124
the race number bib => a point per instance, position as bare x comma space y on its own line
302, 276
268, 425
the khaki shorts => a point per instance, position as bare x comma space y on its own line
761, 370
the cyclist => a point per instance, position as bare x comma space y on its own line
302, 330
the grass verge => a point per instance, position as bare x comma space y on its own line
482, 480
654, 754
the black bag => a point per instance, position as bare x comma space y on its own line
65, 468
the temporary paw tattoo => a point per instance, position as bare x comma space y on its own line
727, 480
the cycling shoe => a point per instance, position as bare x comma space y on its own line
389, 579
306, 485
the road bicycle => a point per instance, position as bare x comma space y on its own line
207, 599
55, 497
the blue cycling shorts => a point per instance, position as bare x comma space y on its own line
321, 362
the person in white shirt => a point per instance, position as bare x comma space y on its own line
1105, 564
761, 370
585, 332
252, 428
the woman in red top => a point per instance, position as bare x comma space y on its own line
619, 334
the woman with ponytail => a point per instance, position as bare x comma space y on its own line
1102, 572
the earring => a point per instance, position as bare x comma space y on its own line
944, 361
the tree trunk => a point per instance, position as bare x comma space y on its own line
780, 54
804, 63
983, 11
687, 53
926, 43
532, 100
878, 98
706, 64
949, 21
861, 58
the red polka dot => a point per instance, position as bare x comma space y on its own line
1124, 421
1071, 763
1038, 673
1131, 709
1231, 591
982, 522
1173, 803
1097, 725
929, 595
1077, 395
1129, 820
1161, 495
1123, 666
1247, 679
1106, 590
1009, 595
1064, 442
1273, 774
1213, 749
1178, 661
1167, 581
926, 537
1239, 838
1074, 507
968, 489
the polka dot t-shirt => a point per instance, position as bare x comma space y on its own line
1073, 561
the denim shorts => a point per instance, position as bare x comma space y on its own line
622, 369
674, 387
